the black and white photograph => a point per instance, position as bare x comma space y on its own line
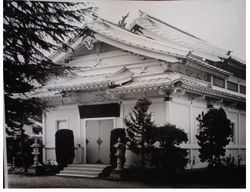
124, 94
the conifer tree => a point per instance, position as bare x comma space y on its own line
139, 129
31, 29
213, 136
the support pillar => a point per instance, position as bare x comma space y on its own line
168, 103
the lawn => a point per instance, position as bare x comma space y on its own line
231, 177
199, 178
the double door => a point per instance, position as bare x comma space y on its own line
98, 140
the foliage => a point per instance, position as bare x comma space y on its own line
229, 161
139, 128
166, 154
21, 151
65, 151
48, 168
31, 30
115, 134
213, 136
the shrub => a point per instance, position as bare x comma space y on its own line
64, 147
48, 168
21, 150
115, 134
213, 136
166, 153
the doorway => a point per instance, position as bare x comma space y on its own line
97, 140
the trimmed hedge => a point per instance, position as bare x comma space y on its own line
115, 134
64, 147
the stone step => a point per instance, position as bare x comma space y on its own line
84, 169
76, 175
89, 165
81, 172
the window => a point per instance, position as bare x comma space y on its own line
232, 86
243, 89
232, 125
61, 124
219, 82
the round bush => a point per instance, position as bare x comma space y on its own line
64, 147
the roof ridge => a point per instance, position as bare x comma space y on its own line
142, 37
165, 23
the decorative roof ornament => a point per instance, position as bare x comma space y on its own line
101, 98
89, 42
122, 23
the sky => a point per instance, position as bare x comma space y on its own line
220, 22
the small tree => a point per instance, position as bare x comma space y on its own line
213, 135
166, 153
139, 128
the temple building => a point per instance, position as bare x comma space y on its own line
180, 73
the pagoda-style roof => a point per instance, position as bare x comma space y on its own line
153, 39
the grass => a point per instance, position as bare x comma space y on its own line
234, 177
226, 177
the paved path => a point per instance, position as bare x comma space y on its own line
21, 181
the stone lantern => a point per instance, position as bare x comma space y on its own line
116, 174
119, 154
35, 152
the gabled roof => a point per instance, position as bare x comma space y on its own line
156, 39
116, 36
170, 44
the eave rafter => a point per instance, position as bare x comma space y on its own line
181, 87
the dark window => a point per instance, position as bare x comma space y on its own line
219, 82
232, 86
243, 89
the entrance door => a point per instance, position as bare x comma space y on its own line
98, 140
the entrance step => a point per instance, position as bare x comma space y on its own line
83, 170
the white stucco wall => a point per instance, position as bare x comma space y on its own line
181, 111
71, 115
